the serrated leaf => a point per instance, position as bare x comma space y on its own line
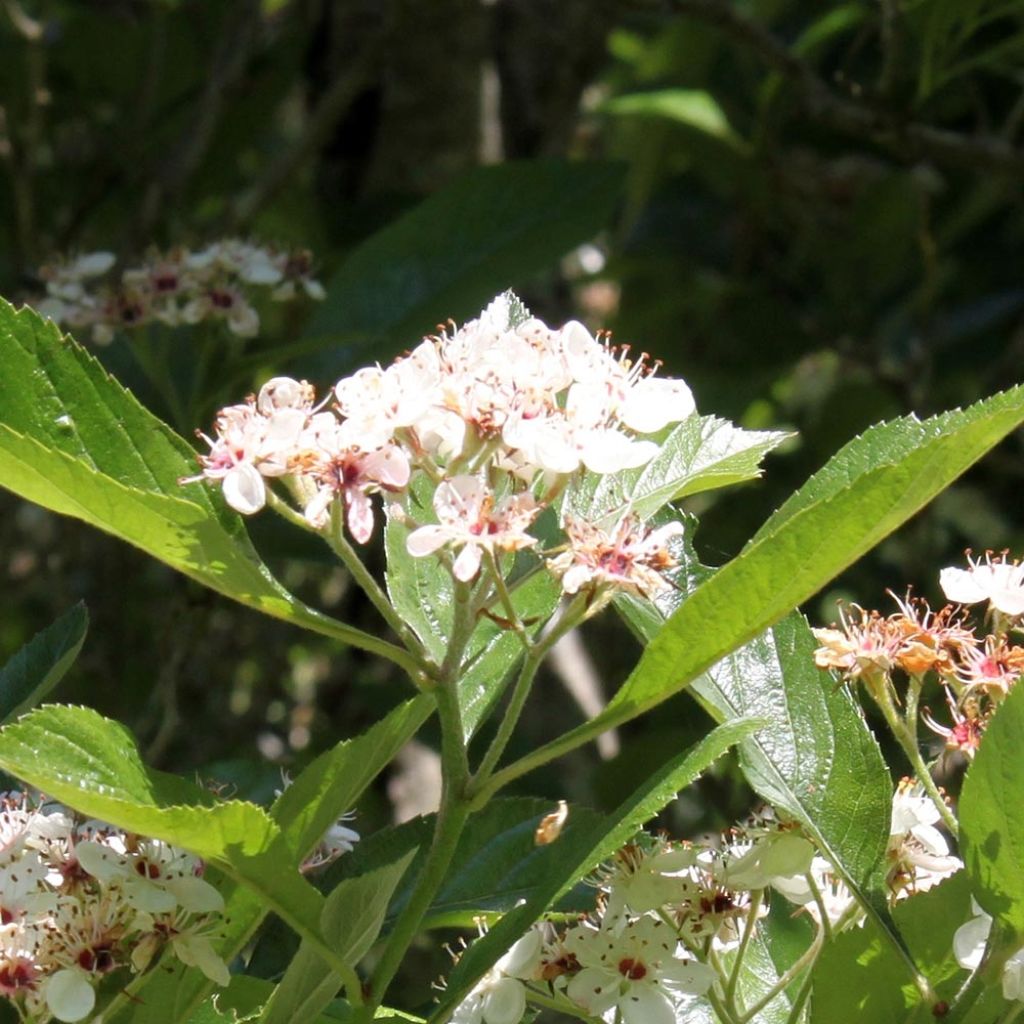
73, 440
329, 786
35, 670
92, 764
581, 848
834, 519
699, 454
991, 825
183, 988
352, 919
492, 228
817, 761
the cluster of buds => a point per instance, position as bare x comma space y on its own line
667, 910
80, 900
498, 416
975, 667
180, 286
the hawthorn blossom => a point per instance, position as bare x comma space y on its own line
637, 972
993, 579
969, 943
918, 853
630, 558
499, 997
469, 518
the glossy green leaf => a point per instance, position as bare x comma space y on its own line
73, 440
491, 229
35, 670
352, 919
991, 825
582, 847
699, 454
870, 487
817, 761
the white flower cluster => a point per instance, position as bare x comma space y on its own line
499, 415
668, 911
180, 286
81, 899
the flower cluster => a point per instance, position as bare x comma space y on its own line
179, 286
81, 899
668, 913
976, 670
497, 417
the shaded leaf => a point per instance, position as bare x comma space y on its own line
35, 670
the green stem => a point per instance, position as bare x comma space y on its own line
520, 692
452, 815
562, 1006
335, 537
826, 922
722, 1012
806, 959
748, 932
906, 738
801, 998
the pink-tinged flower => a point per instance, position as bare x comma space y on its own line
993, 579
248, 447
630, 558
994, 667
866, 643
339, 468
470, 519
636, 972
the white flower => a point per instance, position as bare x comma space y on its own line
995, 580
969, 942
470, 519
636, 972
918, 853
835, 896
500, 996
630, 558
770, 855
642, 880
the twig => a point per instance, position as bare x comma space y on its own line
904, 138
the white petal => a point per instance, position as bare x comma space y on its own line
654, 403
646, 1005
69, 995
692, 977
467, 565
960, 586
100, 861
969, 941
594, 990
426, 540
197, 951
505, 1003
195, 894
1013, 976
244, 489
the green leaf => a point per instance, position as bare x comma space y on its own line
991, 825
694, 108
351, 921
92, 764
582, 847
330, 786
868, 489
817, 761
73, 440
857, 981
492, 228
37, 668
699, 454
423, 593
350, 767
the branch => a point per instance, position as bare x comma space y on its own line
903, 137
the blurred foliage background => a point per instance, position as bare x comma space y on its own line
812, 212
